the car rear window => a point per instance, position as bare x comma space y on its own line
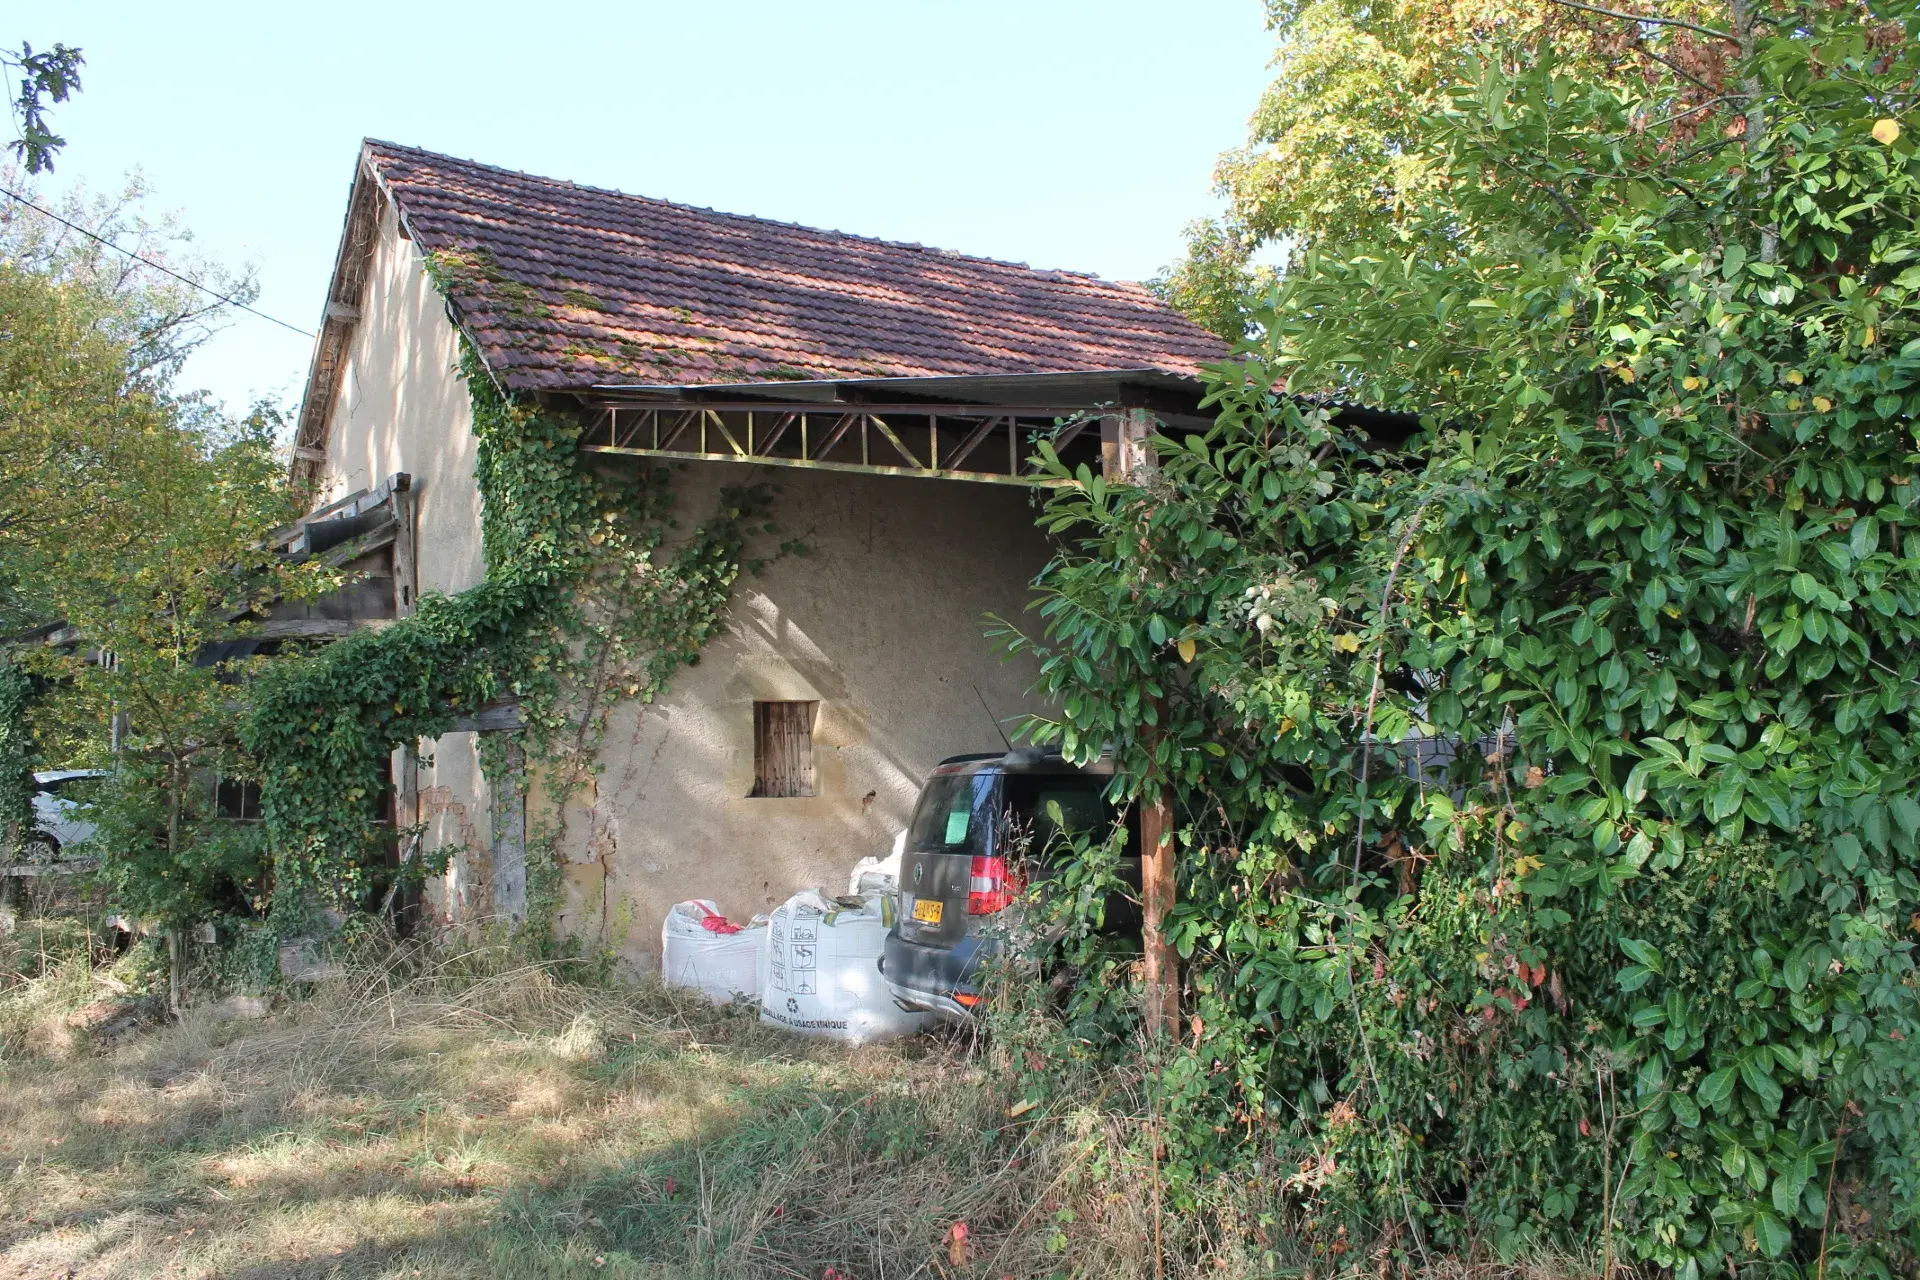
1053, 806
953, 814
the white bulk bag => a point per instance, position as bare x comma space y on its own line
823, 971
702, 950
878, 875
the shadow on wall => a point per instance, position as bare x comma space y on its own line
881, 625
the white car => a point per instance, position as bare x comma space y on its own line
56, 816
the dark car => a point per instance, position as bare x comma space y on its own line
963, 864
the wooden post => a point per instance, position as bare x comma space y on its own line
406, 586
510, 835
1126, 455
406, 594
1157, 891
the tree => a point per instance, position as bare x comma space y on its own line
155, 595
112, 250
1338, 148
44, 77
137, 515
1635, 971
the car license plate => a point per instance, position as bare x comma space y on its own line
928, 910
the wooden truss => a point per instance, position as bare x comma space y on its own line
993, 444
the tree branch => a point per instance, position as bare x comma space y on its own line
1674, 67
1647, 17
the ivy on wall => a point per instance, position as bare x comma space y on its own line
585, 603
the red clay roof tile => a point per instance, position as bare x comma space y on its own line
566, 287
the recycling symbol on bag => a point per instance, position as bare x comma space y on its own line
793, 1006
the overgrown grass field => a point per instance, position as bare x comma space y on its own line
475, 1117
461, 1112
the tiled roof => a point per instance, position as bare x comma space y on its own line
567, 287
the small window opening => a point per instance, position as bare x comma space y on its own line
783, 748
237, 801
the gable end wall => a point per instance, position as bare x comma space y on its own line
403, 406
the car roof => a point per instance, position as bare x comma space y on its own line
1024, 761
62, 775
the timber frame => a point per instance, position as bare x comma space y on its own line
985, 429
988, 443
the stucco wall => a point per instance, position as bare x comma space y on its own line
881, 623
404, 407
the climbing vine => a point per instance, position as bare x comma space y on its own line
586, 601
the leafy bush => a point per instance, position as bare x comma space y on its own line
1547, 780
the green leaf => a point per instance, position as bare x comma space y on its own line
1642, 953
1873, 825
1762, 1085
1906, 813
1790, 1182
1772, 1235
1717, 1088
1797, 970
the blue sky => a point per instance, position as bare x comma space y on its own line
1064, 134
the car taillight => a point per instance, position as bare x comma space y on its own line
992, 886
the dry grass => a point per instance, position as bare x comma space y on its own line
472, 1117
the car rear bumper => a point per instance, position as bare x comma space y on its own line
937, 977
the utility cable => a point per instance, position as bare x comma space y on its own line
233, 302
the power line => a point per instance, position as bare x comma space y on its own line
234, 302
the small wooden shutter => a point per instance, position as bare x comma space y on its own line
783, 748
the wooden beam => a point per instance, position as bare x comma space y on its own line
840, 428
303, 628
894, 440
353, 548
406, 586
495, 717
772, 438
306, 628
64, 867
1126, 457
326, 373
406, 786
858, 468
975, 438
